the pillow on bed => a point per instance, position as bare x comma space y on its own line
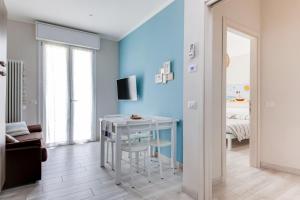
230, 115
240, 116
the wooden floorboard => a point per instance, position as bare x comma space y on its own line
247, 183
74, 173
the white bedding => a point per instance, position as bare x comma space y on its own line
240, 128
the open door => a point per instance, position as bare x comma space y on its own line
3, 59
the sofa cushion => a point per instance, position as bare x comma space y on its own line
31, 136
17, 129
10, 139
35, 143
34, 128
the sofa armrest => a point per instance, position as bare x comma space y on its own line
35, 143
34, 128
23, 163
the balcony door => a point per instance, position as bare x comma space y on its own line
68, 88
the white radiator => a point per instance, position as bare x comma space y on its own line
14, 99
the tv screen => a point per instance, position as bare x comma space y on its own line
127, 88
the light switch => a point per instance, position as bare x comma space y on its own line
192, 68
192, 105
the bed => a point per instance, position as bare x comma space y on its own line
237, 127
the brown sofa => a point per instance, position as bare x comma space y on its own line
24, 159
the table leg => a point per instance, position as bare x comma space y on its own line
102, 147
118, 158
137, 157
173, 147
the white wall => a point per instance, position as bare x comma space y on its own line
22, 45
280, 57
243, 12
193, 123
3, 55
238, 49
238, 71
107, 74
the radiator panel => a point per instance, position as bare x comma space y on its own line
14, 100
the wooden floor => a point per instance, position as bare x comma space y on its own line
246, 183
73, 173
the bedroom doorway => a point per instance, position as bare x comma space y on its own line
237, 63
240, 92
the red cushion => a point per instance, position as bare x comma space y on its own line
34, 128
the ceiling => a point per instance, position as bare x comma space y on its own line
113, 19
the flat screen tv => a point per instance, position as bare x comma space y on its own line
127, 89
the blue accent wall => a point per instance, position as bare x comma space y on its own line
142, 53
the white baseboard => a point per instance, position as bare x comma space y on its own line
280, 168
191, 193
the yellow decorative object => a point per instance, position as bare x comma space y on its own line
247, 88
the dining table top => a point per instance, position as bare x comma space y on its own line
122, 120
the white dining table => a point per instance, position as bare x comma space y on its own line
119, 126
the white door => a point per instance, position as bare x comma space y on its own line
68, 94
3, 55
82, 95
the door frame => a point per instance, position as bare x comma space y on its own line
209, 72
254, 153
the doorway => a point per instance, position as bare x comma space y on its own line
240, 96
68, 88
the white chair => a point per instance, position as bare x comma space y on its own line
110, 141
138, 140
158, 143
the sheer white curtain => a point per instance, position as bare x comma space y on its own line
56, 93
82, 95
68, 88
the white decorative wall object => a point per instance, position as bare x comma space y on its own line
165, 74
170, 76
158, 78
167, 67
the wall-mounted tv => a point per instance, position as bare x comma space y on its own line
127, 89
